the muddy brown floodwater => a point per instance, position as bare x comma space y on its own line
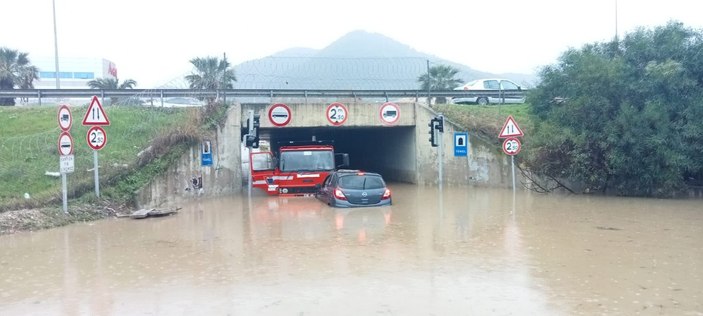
466, 251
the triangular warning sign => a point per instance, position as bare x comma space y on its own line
510, 129
95, 114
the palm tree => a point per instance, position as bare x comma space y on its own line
15, 70
211, 73
111, 84
441, 78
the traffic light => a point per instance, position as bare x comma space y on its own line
252, 141
440, 123
244, 129
257, 117
255, 141
433, 131
250, 132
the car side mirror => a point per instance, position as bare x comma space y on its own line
519, 88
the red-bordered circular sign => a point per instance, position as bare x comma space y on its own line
511, 146
96, 137
389, 113
65, 144
280, 114
337, 113
65, 118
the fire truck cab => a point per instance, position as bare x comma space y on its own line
295, 168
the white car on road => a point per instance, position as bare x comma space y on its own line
502, 91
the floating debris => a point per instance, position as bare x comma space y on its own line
153, 212
608, 228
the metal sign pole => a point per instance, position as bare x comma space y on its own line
468, 154
64, 190
512, 162
249, 178
441, 162
250, 132
96, 173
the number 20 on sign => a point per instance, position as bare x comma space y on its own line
511, 146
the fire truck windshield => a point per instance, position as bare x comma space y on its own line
308, 160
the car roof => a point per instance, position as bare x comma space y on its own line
476, 81
347, 172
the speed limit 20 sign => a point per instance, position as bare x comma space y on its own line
511, 146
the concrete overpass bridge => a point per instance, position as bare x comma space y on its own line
397, 145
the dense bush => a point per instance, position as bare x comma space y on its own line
623, 117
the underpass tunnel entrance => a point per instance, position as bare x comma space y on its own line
389, 151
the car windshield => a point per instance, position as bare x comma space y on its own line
357, 182
307, 160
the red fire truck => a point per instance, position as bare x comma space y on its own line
296, 168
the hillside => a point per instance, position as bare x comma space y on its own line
357, 61
29, 159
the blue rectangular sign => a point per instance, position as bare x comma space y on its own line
461, 144
206, 154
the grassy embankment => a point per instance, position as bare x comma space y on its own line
486, 120
29, 150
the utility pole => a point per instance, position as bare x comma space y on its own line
56, 47
616, 20
224, 84
429, 84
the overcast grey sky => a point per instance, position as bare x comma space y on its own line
152, 41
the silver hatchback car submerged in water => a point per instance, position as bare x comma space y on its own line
354, 188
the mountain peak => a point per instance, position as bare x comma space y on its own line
359, 60
360, 44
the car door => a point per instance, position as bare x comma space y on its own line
261, 168
511, 92
493, 85
327, 189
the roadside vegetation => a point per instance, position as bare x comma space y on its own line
137, 137
486, 120
142, 143
16, 70
622, 117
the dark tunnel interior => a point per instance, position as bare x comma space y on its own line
389, 151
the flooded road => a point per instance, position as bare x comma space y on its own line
467, 251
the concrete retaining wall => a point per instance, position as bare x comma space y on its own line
223, 177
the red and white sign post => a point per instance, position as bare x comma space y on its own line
65, 146
511, 145
95, 117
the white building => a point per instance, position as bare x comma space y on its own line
74, 72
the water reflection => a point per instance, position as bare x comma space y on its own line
455, 251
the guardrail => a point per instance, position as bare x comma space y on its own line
265, 93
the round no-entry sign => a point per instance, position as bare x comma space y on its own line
279, 114
96, 137
511, 146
